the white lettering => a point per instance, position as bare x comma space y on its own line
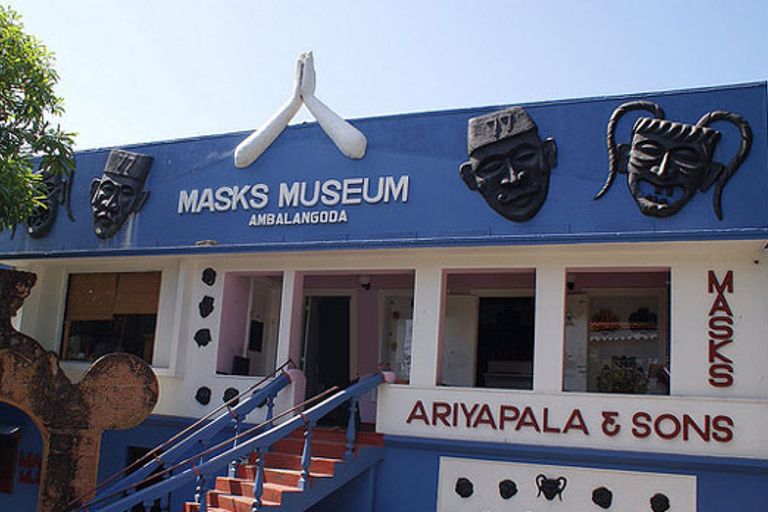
351, 188
187, 201
315, 196
223, 199
379, 191
238, 196
260, 196
396, 190
206, 200
289, 197
331, 192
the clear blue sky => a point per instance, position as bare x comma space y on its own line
142, 70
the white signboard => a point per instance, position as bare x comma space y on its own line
733, 428
490, 486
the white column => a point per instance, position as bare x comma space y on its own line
427, 315
550, 310
291, 314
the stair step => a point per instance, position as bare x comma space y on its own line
236, 503
195, 507
295, 446
318, 465
282, 470
340, 436
271, 492
282, 476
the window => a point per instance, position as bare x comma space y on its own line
616, 332
110, 312
488, 330
9, 447
249, 324
135, 453
397, 320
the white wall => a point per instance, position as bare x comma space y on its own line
185, 367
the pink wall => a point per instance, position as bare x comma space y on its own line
628, 279
367, 317
460, 283
234, 319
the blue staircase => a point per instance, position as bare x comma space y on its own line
287, 463
282, 470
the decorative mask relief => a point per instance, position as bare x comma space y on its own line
464, 487
119, 192
209, 276
203, 337
507, 489
203, 395
57, 192
229, 394
602, 497
508, 163
551, 487
666, 162
206, 306
659, 503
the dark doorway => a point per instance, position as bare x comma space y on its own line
505, 343
325, 359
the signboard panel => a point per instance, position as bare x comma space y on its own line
408, 191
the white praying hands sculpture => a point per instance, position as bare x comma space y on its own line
350, 141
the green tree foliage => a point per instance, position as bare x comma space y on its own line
30, 142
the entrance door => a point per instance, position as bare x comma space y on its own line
505, 343
325, 358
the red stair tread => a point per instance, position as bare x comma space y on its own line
318, 465
282, 469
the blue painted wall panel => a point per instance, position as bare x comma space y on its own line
440, 210
407, 479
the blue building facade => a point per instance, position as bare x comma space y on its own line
552, 349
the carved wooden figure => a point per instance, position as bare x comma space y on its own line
117, 392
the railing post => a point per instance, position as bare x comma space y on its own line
234, 463
258, 483
201, 492
270, 407
306, 457
351, 430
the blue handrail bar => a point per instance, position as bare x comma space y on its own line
261, 441
201, 437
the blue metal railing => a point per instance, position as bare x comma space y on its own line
252, 440
201, 438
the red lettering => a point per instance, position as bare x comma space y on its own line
468, 413
714, 351
714, 286
720, 331
441, 411
485, 417
455, 414
418, 413
641, 430
721, 429
26, 460
29, 476
527, 419
720, 306
503, 418
547, 428
675, 426
576, 422
721, 375
610, 427
689, 424
720, 328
